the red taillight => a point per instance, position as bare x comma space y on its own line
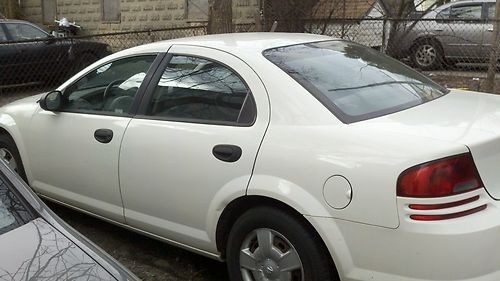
443, 177
427, 207
447, 216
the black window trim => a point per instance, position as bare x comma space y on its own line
249, 106
328, 104
138, 96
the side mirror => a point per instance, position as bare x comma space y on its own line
52, 101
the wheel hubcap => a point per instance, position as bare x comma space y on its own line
425, 55
6, 156
266, 255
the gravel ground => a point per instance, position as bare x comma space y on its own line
153, 260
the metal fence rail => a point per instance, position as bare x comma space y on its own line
425, 44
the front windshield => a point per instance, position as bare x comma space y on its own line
354, 82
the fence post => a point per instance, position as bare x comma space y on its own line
384, 35
495, 45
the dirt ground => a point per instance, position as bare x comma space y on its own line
152, 260
468, 80
149, 259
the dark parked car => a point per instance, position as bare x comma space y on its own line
37, 245
28, 54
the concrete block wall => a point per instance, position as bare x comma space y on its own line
31, 10
135, 14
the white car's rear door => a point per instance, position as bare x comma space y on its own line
179, 159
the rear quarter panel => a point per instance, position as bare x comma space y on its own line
305, 145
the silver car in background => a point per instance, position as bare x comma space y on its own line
37, 245
459, 31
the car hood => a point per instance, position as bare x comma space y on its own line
37, 251
28, 100
461, 117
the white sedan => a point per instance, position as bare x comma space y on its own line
290, 156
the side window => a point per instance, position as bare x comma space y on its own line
491, 11
21, 31
444, 14
110, 88
198, 89
470, 12
13, 213
3, 36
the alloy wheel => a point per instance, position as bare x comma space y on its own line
426, 55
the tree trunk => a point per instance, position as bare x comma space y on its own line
397, 12
400, 25
220, 16
495, 50
289, 14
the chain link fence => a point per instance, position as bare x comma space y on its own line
426, 44
37, 65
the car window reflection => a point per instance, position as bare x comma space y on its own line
194, 88
13, 213
354, 82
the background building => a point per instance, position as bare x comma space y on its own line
102, 16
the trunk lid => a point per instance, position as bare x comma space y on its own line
462, 117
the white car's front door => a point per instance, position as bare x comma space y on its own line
74, 152
194, 145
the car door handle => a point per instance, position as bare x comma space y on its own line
103, 135
438, 29
490, 29
227, 152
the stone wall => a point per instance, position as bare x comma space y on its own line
135, 14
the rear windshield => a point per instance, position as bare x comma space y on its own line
354, 82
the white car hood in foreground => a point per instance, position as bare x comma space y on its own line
468, 118
37, 251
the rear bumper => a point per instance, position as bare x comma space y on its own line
465, 248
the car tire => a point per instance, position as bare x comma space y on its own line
306, 258
427, 55
10, 154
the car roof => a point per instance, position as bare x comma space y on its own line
464, 2
436, 10
236, 43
